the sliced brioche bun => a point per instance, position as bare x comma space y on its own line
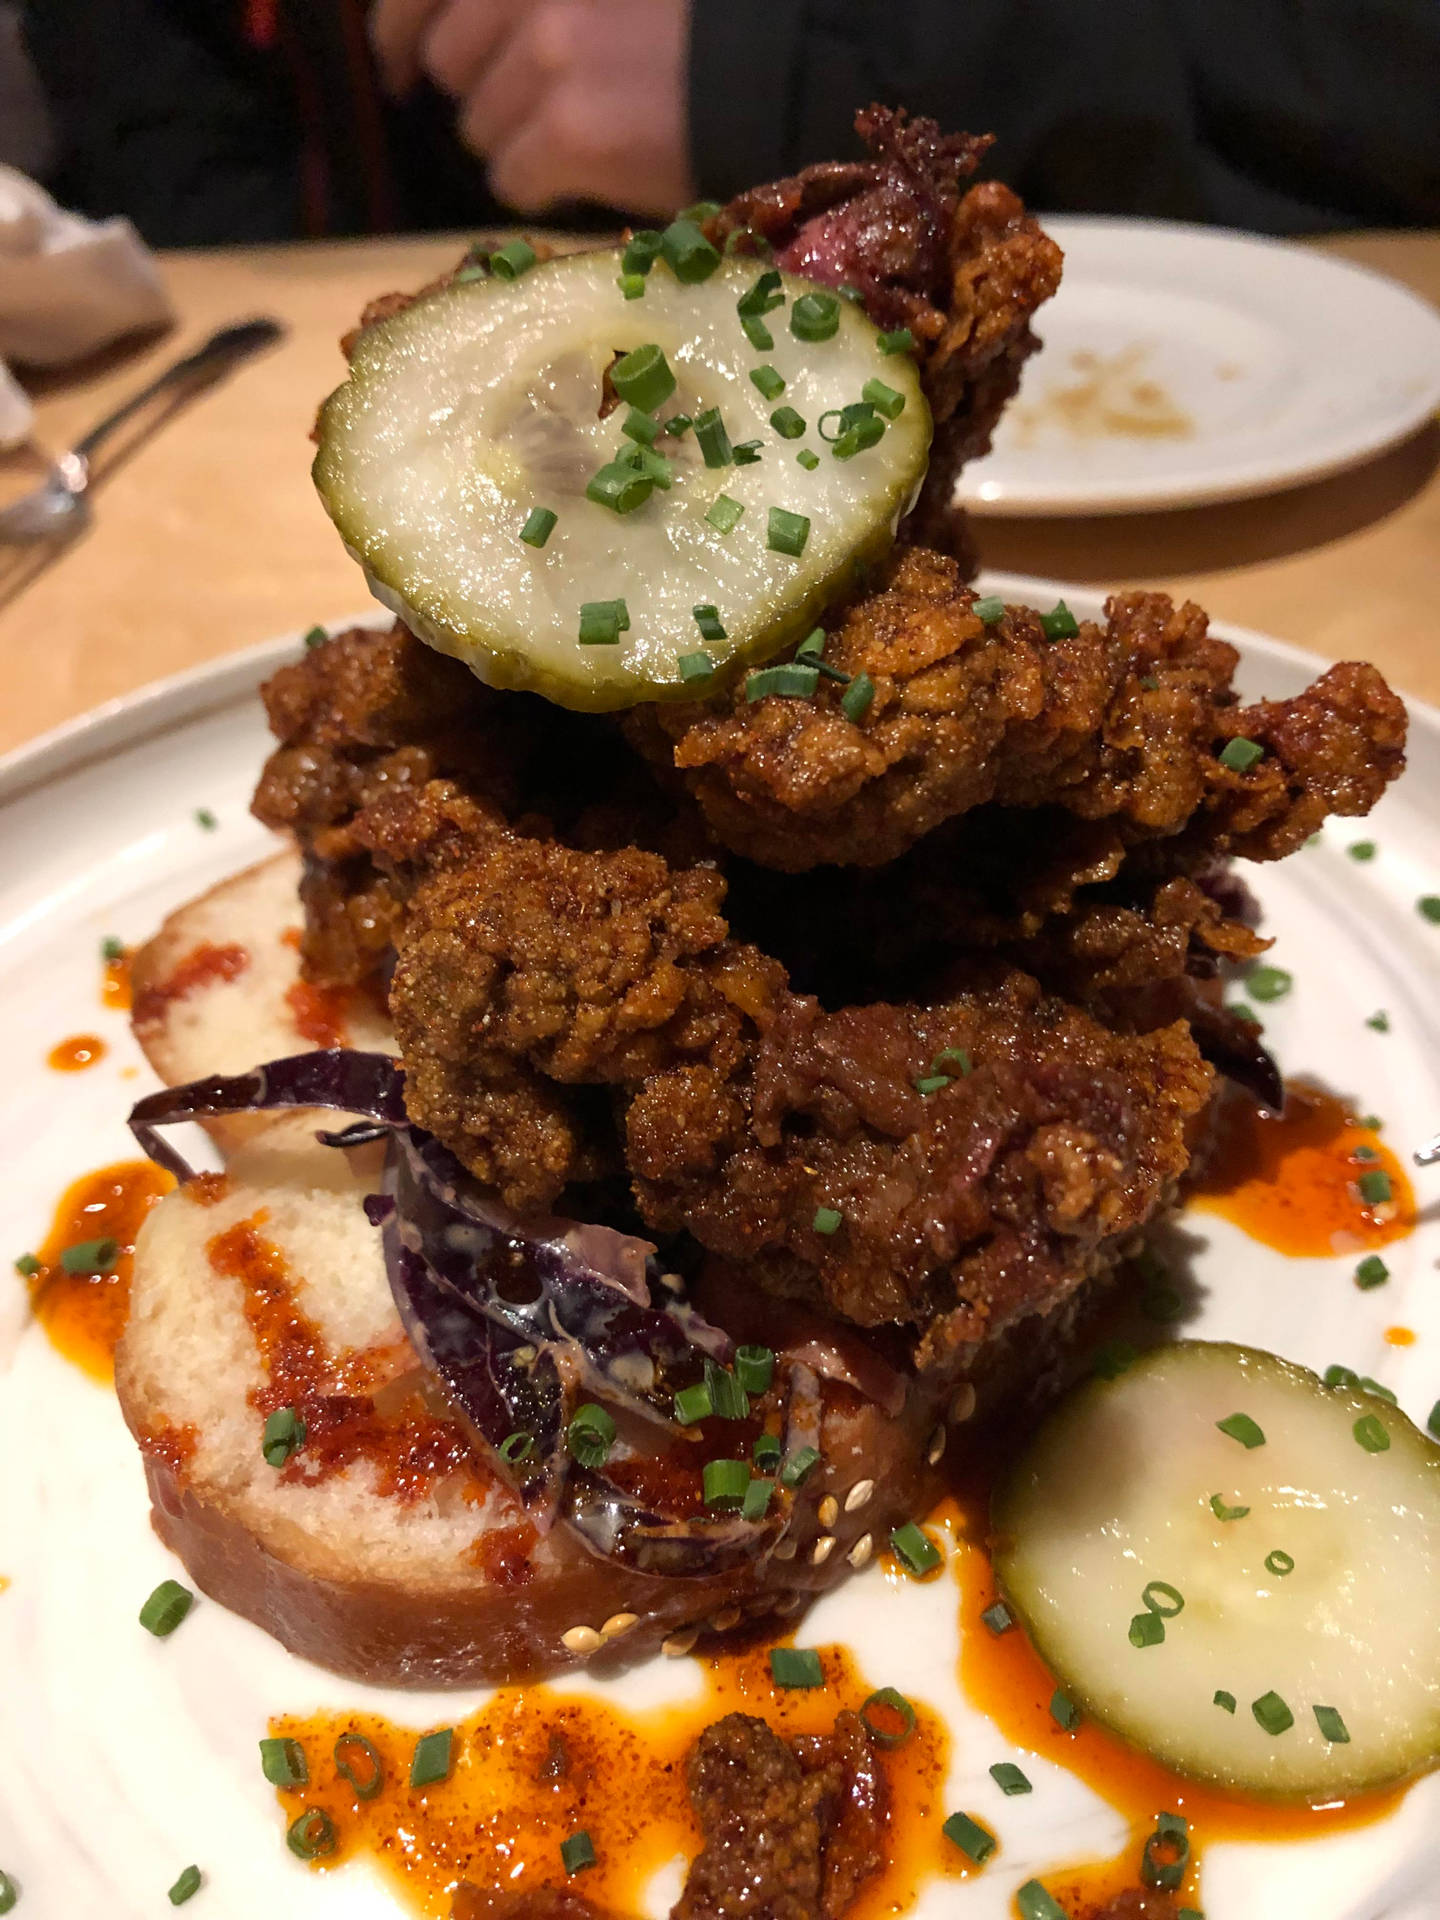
218, 989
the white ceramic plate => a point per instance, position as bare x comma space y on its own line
124, 1758
1182, 364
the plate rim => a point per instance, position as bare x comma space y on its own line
1056, 499
159, 706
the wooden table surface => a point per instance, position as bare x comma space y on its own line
208, 535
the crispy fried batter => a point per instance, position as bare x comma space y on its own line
1120, 724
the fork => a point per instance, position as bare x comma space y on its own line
59, 507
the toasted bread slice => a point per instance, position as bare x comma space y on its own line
218, 989
384, 1548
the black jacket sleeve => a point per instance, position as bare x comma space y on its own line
1284, 116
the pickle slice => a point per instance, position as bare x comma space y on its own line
483, 403
1235, 1566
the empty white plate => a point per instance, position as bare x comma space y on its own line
1184, 364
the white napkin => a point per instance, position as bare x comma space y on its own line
67, 286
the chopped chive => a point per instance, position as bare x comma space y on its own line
898, 340
1432, 1425
620, 487
770, 383
875, 1717
827, 1220
1222, 1512
707, 618
1147, 1629
602, 622
1380, 1021
798, 1468
1361, 850
727, 1396
763, 297
166, 1608
1240, 754
366, 1783
1162, 1864
690, 254
702, 211
91, 1256
1158, 1590
311, 1834
857, 438
187, 1885
932, 1083
1338, 1376
1371, 1272
788, 424
1272, 1713
642, 250
1279, 1563
998, 1618
577, 1852
957, 1057
1375, 1390
631, 285
787, 532
27, 1266
724, 1482
693, 1404
641, 427
678, 425
714, 440
856, 699
695, 666
1063, 1710
1428, 907
988, 610
815, 316
757, 333
1060, 623
973, 1840
643, 377
538, 527
1149, 683
516, 1447
468, 275
1372, 1121
1247, 1014
1268, 983
431, 1759
756, 1503
724, 513
1239, 1426
796, 1667
755, 1368
1010, 1780
886, 399
112, 949
791, 680
283, 1763
1374, 1187
812, 647
205, 818
315, 637
283, 1434
1034, 1902
590, 1435
746, 240
808, 459
1114, 1358
1332, 1727
766, 1452
513, 259
746, 453
1371, 1433
914, 1549
1225, 1701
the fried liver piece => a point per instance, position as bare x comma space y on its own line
1122, 724
791, 1832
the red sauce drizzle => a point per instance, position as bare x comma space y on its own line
84, 1313
533, 1766
115, 987
205, 966
1290, 1179
81, 1050
319, 1013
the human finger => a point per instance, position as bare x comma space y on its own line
396, 28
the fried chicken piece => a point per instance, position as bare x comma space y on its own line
1122, 724
963, 273
791, 1832
746, 1109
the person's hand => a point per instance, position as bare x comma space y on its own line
566, 99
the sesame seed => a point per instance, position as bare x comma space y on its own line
861, 1550
726, 1618
822, 1549
679, 1644
858, 1495
963, 1405
936, 1446
829, 1510
618, 1623
786, 1550
580, 1639
790, 1603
